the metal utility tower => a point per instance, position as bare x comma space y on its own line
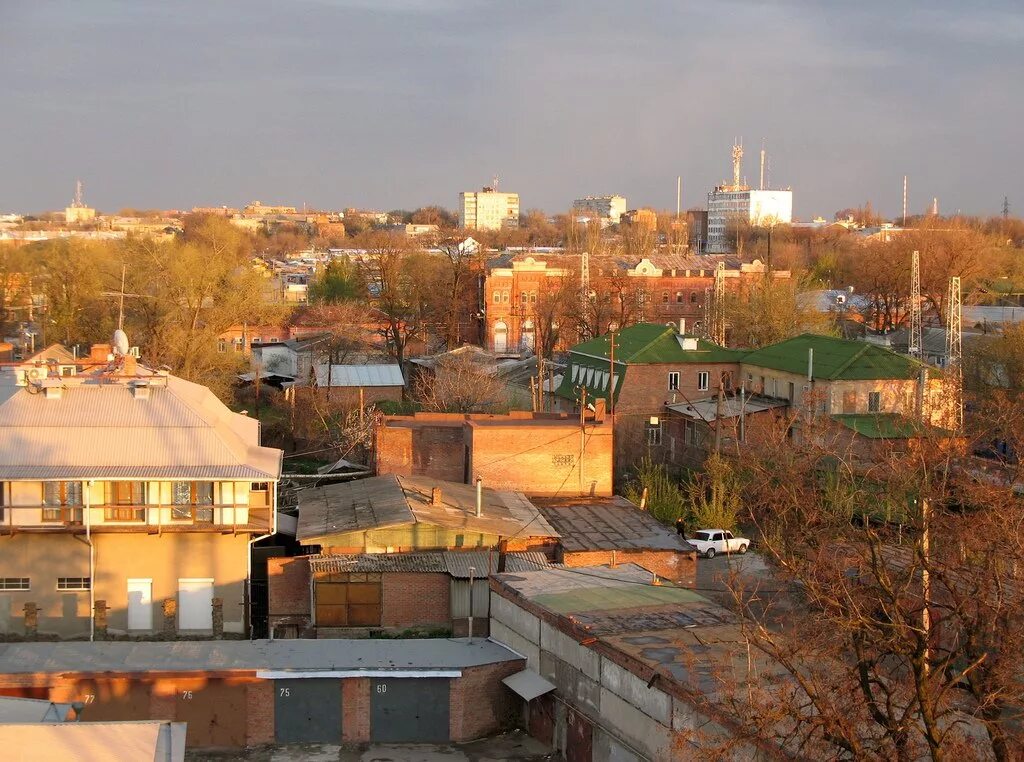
1006, 207
78, 203
585, 289
915, 343
737, 160
954, 352
762, 165
705, 327
718, 323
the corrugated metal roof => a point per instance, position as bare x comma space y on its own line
86, 741
528, 684
486, 562
99, 429
374, 563
249, 655
390, 500
360, 375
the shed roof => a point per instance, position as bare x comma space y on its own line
882, 425
391, 501
732, 407
249, 655
611, 523
360, 375
454, 563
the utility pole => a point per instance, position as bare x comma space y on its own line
583, 434
611, 379
904, 200
718, 327
926, 584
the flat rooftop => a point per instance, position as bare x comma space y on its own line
251, 656
607, 523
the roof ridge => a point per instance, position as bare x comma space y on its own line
856, 356
659, 337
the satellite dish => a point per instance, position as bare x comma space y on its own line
120, 342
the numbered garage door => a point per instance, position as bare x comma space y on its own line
409, 710
307, 711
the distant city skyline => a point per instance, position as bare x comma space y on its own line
405, 103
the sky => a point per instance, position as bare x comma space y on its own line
401, 103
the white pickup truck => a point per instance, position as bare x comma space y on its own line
710, 542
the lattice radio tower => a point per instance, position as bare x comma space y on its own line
915, 345
705, 326
954, 352
718, 306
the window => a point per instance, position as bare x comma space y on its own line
189, 496
504, 297
792, 391
497, 297
654, 435
73, 583
703, 536
62, 501
524, 297
221, 345
533, 297
703, 378
14, 583
125, 501
874, 402
679, 297
673, 380
664, 297
693, 297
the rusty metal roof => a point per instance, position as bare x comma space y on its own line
391, 501
609, 523
374, 563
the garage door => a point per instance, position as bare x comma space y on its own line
409, 710
215, 711
307, 711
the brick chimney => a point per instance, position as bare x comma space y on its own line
99, 353
131, 366
435, 496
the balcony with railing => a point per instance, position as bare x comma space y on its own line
226, 517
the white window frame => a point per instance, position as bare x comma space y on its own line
8, 584
81, 584
673, 381
703, 380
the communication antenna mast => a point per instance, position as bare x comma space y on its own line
679, 195
954, 352
585, 287
494, 183
935, 206
1006, 207
737, 159
915, 343
705, 327
718, 328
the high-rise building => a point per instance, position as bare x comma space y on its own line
488, 209
605, 208
735, 204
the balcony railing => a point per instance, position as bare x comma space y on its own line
156, 517
64, 514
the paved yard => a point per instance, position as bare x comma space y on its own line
511, 746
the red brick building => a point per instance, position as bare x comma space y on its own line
535, 453
663, 288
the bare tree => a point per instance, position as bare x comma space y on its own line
458, 384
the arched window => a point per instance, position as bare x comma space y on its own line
500, 336
679, 297
664, 297
527, 339
693, 297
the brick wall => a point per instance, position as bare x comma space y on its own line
481, 704
288, 590
543, 459
355, 710
437, 449
675, 566
259, 702
415, 600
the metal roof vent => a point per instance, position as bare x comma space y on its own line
688, 343
140, 390
53, 388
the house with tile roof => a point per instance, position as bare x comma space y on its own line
129, 499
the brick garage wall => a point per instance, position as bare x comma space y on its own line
288, 590
415, 600
259, 701
674, 566
481, 704
542, 458
423, 448
355, 710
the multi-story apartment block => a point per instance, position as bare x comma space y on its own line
488, 209
729, 208
127, 496
607, 209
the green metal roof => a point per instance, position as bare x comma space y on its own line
882, 425
645, 343
834, 359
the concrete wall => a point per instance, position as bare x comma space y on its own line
631, 720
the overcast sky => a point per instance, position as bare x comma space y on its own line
401, 103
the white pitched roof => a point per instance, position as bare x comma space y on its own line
99, 429
360, 375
